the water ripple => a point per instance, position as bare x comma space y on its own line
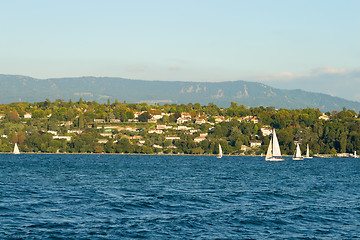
177, 197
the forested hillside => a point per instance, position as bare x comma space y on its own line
100, 89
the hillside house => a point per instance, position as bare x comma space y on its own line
77, 131
106, 134
103, 141
115, 120
219, 119
172, 138
266, 130
99, 120
324, 117
182, 128
255, 143
157, 131
67, 138
252, 119
163, 127
27, 115
133, 120
186, 115
202, 137
181, 120
200, 121
157, 146
152, 120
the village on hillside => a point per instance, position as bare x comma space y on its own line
90, 127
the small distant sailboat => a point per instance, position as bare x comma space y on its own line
16, 149
273, 152
220, 152
307, 152
354, 155
297, 155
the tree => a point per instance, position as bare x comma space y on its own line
13, 116
144, 117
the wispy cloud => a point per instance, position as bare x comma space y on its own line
329, 70
289, 76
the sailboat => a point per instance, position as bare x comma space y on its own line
16, 149
220, 152
297, 155
307, 152
354, 155
273, 152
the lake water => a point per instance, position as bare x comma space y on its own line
177, 197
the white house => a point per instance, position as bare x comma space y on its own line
157, 146
67, 138
103, 141
75, 131
27, 115
255, 143
157, 131
52, 132
324, 117
266, 130
106, 134
181, 120
172, 138
183, 128
200, 121
219, 119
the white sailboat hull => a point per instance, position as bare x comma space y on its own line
274, 159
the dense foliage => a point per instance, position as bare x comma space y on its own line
111, 128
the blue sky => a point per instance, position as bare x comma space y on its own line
275, 42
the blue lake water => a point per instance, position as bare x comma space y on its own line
177, 197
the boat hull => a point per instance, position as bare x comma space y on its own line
274, 159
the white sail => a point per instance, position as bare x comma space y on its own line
220, 152
276, 146
353, 155
297, 153
269, 151
274, 153
307, 152
16, 149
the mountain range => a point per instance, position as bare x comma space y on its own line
15, 88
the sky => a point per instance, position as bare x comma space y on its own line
287, 44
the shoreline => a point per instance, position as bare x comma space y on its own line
163, 154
